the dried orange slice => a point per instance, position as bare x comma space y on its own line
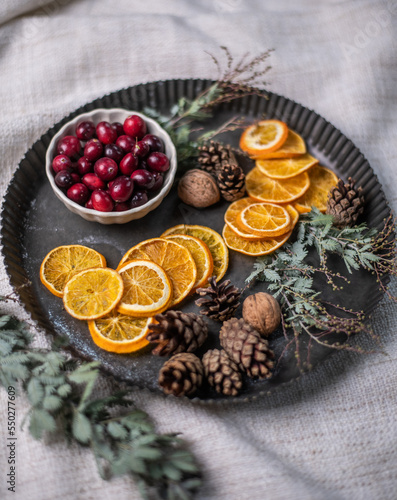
63, 262
214, 241
259, 247
285, 168
175, 259
263, 188
292, 147
93, 293
264, 136
147, 288
231, 214
119, 333
321, 181
264, 219
201, 255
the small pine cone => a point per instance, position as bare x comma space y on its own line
231, 182
181, 375
223, 299
213, 155
247, 348
345, 203
222, 373
177, 332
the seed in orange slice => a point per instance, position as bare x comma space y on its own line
231, 214
264, 219
263, 188
147, 288
259, 247
175, 259
61, 263
119, 333
214, 241
201, 255
322, 180
264, 136
93, 293
293, 146
285, 168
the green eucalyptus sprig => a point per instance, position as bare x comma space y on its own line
290, 278
61, 393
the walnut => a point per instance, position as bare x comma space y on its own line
262, 311
198, 189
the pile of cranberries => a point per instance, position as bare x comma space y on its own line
110, 166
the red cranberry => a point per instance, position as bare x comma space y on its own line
106, 169
129, 164
121, 188
69, 146
78, 193
102, 201
84, 166
121, 207
140, 149
89, 204
154, 142
125, 142
92, 181
93, 150
118, 127
61, 162
85, 130
64, 179
158, 161
143, 178
158, 182
135, 126
114, 152
105, 133
138, 199
75, 177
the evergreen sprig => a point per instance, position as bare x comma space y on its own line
235, 81
290, 278
61, 392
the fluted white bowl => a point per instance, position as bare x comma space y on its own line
113, 115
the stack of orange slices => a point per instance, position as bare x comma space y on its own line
152, 276
285, 182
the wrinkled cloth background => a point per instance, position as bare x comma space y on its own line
332, 435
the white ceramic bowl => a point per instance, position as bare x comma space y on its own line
113, 115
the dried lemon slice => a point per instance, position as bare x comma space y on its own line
93, 293
293, 146
175, 259
119, 333
322, 180
233, 212
147, 288
63, 262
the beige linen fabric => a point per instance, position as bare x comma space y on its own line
331, 435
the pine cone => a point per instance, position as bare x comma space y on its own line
213, 156
245, 347
345, 203
223, 300
181, 375
222, 373
177, 332
231, 182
